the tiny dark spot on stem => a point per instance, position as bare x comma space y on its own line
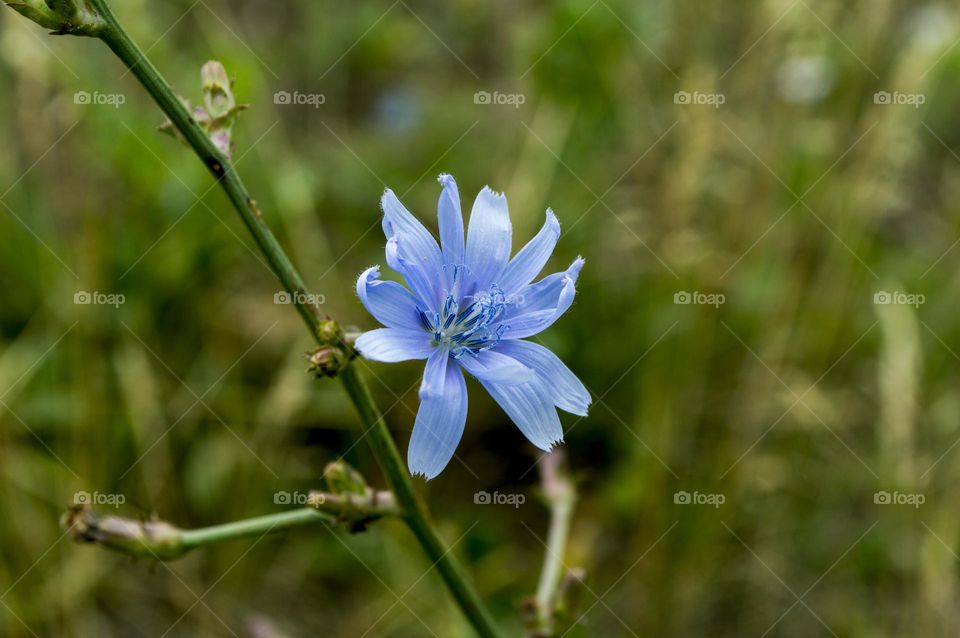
215, 166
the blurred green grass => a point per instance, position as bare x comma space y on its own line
798, 199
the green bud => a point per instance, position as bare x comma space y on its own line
220, 106
217, 89
62, 17
329, 331
343, 479
219, 111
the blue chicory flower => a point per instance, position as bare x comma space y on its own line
469, 307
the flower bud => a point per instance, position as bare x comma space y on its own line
326, 361
329, 331
62, 17
217, 89
219, 111
343, 479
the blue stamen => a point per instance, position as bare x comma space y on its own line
470, 331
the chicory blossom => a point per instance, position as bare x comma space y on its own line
470, 307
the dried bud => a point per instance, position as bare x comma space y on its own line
147, 539
327, 361
62, 17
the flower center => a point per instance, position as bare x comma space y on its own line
471, 329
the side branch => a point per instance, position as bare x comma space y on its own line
164, 541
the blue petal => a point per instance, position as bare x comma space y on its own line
488, 239
389, 302
395, 344
435, 374
495, 366
538, 306
450, 220
566, 390
424, 281
440, 420
531, 409
531, 259
397, 219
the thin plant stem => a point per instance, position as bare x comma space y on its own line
560, 496
321, 328
258, 526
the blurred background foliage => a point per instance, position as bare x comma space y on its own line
799, 198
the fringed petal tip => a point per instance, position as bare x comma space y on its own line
388, 194
446, 179
580, 411
573, 272
492, 193
368, 275
553, 220
554, 445
553, 224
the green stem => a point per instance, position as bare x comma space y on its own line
158, 88
352, 509
384, 448
414, 511
193, 538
